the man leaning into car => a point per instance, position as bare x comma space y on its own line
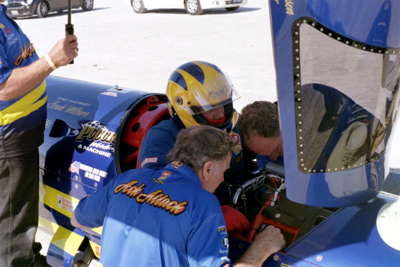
22, 119
170, 217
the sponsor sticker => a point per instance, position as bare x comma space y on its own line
225, 242
98, 251
89, 172
222, 229
65, 203
161, 179
237, 146
176, 164
95, 131
148, 160
218, 94
113, 94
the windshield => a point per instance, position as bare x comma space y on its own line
346, 96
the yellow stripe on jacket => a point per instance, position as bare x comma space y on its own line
25, 106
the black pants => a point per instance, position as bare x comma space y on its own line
19, 200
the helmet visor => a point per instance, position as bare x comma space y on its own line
206, 100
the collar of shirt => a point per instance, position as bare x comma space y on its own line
184, 171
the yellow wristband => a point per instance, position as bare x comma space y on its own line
50, 62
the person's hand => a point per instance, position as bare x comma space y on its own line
271, 238
269, 241
64, 51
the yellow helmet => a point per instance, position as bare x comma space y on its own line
196, 87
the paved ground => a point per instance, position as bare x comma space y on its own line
134, 51
117, 46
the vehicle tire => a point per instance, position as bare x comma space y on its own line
138, 6
193, 7
42, 9
87, 5
232, 8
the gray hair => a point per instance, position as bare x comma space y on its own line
197, 144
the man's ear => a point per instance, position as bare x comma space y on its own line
208, 169
204, 173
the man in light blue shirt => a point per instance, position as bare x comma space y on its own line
171, 217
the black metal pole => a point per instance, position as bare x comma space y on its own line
69, 28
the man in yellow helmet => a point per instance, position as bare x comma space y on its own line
199, 93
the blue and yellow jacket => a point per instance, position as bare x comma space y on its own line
22, 120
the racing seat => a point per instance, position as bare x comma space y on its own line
149, 112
